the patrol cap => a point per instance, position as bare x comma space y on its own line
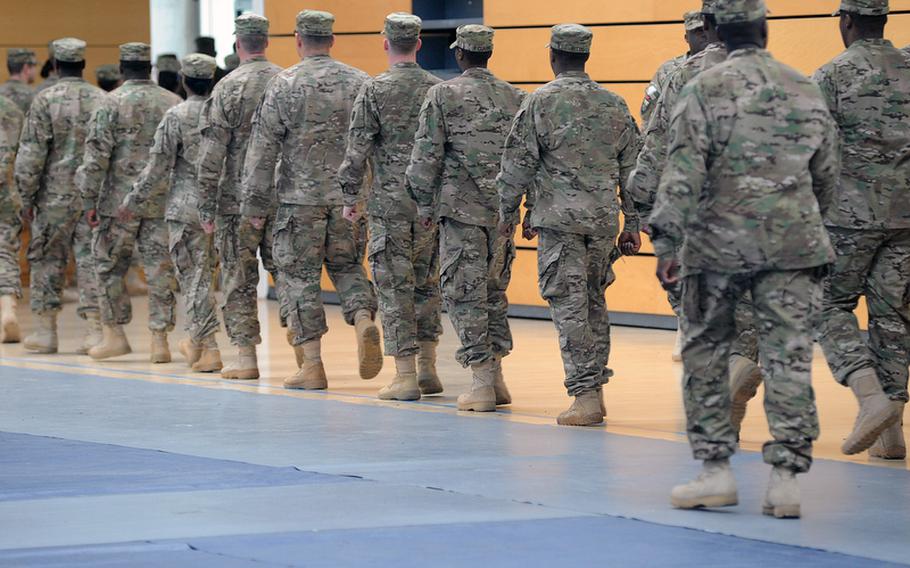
168, 63
251, 24
572, 38
136, 51
20, 56
474, 37
401, 26
69, 49
108, 72
199, 66
206, 45
231, 62
709, 6
739, 11
694, 21
864, 7
315, 23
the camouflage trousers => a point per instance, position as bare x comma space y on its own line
55, 233
237, 242
476, 270
574, 272
306, 238
10, 277
193, 257
875, 263
404, 258
113, 247
785, 304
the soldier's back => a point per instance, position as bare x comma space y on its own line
19, 93
182, 202
238, 95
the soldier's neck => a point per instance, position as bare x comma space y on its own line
69, 74
247, 57
396, 58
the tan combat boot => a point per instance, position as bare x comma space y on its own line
404, 386
745, 377
369, 352
891, 445
678, 346
209, 359
160, 350
482, 397
113, 343
876, 412
190, 350
298, 349
715, 486
427, 378
503, 397
44, 339
246, 368
9, 321
311, 375
93, 334
782, 499
586, 410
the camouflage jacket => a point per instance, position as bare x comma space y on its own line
53, 144
227, 124
382, 131
47, 83
11, 119
304, 116
19, 93
571, 144
463, 127
657, 85
650, 164
752, 170
120, 135
173, 156
868, 91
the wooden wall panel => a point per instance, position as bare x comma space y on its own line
362, 51
99, 22
350, 15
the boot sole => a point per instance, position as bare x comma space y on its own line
308, 387
371, 354
782, 511
478, 407
871, 436
889, 455
709, 502
110, 356
206, 369
430, 388
11, 333
405, 397
160, 360
584, 421
243, 375
503, 401
41, 351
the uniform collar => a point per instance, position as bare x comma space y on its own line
478, 72
254, 59
573, 74
872, 41
405, 65
749, 52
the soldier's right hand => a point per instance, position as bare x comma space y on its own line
527, 231
91, 217
208, 227
257, 222
668, 272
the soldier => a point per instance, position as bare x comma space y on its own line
867, 88
463, 127
22, 66
403, 253
108, 77
121, 132
574, 142
173, 156
169, 74
11, 119
227, 124
231, 62
723, 181
48, 71
697, 40
206, 46
302, 123
51, 150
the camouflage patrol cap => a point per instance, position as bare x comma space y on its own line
474, 37
694, 21
69, 49
168, 63
251, 24
401, 26
315, 23
21, 56
739, 11
108, 72
199, 66
136, 51
864, 7
709, 6
231, 62
572, 38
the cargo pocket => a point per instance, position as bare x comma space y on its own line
551, 285
284, 252
180, 255
690, 298
451, 279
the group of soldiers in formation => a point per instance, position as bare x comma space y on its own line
774, 201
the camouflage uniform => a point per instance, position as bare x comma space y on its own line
11, 120
574, 142
18, 92
121, 133
403, 254
463, 127
747, 221
657, 85
304, 117
226, 132
868, 91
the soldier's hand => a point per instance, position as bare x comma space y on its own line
28, 215
629, 243
668, 272
427, 223
351, 213
91, 217
527, 231
506, 229
208, 227
257, 222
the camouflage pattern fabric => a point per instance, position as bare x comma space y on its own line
657, 85
11, 119
47, 83
18, 92
55, 233
785, 304
476, 271
194, 262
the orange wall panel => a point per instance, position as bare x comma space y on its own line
99, 22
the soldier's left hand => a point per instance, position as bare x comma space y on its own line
668, 272
427, 223
351, 213
629, 243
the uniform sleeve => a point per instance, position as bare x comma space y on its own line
362, 136
99, 146
630, 147
827, 82
269, 131
684, 175
34, 147
520, 161
217, 131
825, 168
428, 156
162, 157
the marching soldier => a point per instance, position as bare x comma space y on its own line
11, 119
22, 66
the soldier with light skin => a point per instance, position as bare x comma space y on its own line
23, 68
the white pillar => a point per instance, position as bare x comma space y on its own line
175, 24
